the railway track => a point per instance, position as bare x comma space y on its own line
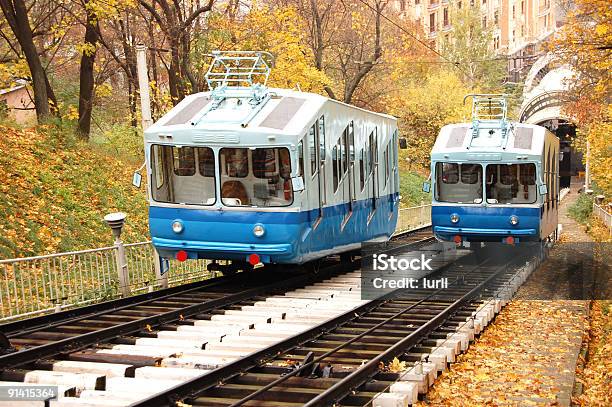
342, 361
130, 336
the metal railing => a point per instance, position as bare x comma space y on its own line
605, 217
413, 218
37, 285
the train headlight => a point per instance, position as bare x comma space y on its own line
514, 220
177, 226
259, 230
454, 218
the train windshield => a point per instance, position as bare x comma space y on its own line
183, 175
458, 183
259, 177
511, 183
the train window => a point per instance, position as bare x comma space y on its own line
235, 161
528, 172
385, 166
264, 162
184, 161
335, 165
516, 183
362, 170
206, 162
470, 173
285, 163
322, 139
157, 164
183, 184
300, 152
270, 184
450, 187
508, 174
450, 173
312, 150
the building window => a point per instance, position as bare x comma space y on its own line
459, 5
522, 7
416, 2
402, 5
446, 17
432, 22
484, 22
484, 1
513, 11
496, 17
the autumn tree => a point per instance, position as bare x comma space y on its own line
177, 20
17, 15
346, 39
585, 43
470, 47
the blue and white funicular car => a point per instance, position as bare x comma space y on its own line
494, 180
250, 173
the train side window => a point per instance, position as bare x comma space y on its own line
470, 173
335, 165
362, 166
264, 162
312, 150
184, 161
236, 162
300, 153
285, 163
158, 166
322, 139
206, 162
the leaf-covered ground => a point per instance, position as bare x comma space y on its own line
595, 373
54, 193
526, 357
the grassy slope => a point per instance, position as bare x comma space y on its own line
411, 185
53, 195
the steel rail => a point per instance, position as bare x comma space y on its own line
81, 341
320, 358
363, 373
192, 388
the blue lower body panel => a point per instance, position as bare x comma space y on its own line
289, 237
480, 223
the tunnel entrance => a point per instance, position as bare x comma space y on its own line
571, 164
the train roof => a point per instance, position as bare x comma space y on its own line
509, 138
234, 110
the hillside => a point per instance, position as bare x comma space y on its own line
54, 193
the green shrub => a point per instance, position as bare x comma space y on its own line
581, 209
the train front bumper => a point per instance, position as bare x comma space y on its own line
448, 233
223, 250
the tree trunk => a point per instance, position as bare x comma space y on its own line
86, 76
15, 12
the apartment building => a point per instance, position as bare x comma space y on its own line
518, 25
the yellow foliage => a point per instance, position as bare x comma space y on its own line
54, 194
278, 31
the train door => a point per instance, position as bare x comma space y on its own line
315, 173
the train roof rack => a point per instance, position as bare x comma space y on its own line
489, 111
239, 69
238, 74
